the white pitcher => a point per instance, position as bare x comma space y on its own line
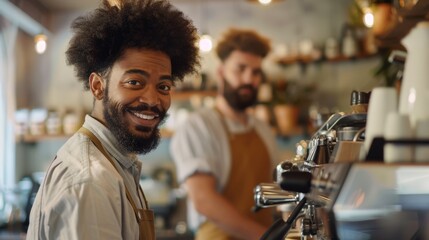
415, 83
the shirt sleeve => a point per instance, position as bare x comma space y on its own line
83, 211
196, 148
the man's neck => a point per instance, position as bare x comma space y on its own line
228, 112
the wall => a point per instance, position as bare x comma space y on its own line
287, 22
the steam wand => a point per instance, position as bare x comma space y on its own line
279, 229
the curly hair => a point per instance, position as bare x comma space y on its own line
243, 40
102, 36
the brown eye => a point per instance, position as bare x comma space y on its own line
165, 87
134, 82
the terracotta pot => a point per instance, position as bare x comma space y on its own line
385, 18
286, 118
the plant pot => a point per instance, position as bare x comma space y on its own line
286, 116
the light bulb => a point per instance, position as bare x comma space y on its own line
368, 18
40, 43
265, 2
205, 43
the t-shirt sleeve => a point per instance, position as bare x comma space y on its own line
193, 148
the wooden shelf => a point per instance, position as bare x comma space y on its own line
186, 95
297, 131
38, 138
165, 133
303, 61
408, 19
419, 10
296, 60
392, 40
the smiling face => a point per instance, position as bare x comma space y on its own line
241, 75
134, 100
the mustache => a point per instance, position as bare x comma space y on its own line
146, 107
247, 86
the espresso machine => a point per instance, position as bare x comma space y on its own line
331, 195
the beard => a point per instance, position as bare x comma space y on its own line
237, 101
114, 116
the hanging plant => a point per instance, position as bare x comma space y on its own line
387, 70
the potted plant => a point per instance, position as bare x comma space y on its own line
288, 98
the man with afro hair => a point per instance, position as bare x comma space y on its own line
129, 55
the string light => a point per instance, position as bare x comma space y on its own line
265, 2
205, 43
368, 18
40, 41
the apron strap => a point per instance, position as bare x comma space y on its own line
223, 122
100, 147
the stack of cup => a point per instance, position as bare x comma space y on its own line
419, 117
421, 153
383, 101
398, 127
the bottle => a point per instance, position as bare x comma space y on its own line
331, 48
359, 101
349, 48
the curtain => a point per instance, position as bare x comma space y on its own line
8, 34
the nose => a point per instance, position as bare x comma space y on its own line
248, 77
150, 96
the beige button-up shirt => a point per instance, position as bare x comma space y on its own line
83, 196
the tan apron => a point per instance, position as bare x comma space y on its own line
250, 166
144, 216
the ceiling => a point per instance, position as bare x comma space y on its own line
69, 5
86, 4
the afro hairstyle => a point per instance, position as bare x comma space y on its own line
102, 36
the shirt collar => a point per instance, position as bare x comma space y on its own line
110, 143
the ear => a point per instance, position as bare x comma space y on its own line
96, 84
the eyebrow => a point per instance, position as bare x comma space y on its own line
243, 65
146, 74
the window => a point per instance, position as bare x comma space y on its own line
8, 35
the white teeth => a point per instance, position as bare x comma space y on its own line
144, 116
